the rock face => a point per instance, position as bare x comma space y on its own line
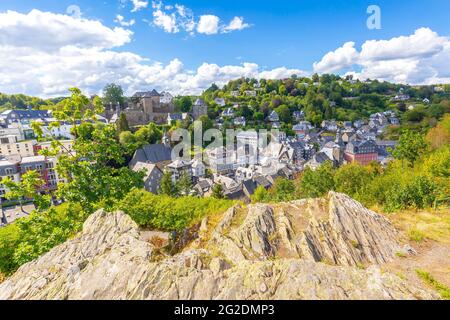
309, 249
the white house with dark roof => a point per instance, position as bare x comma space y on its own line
220, 101
273, 117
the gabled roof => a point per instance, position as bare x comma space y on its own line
250, 186
152, 153
148, 167
320, 157
199, 102
145, 94
261, 181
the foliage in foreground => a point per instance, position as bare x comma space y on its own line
166, 213
30, 237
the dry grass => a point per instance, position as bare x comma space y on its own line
423, 224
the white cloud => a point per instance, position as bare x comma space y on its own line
422, 57
208, 24
423, 43
178, 17
138, 5
121, 20
236, 24
341, 58
48, 31
165, 21
281, 73
60, 53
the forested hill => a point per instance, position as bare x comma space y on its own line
322, 97
21, 101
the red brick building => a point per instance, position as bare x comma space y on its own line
362, 152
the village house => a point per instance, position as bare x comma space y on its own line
152, 177
179, 168
239, 121
361, 151
401, 97
199, 108
220, 101
317, 160
329, 125
298, 115
273, 117
384, 148
174, 117
276, 125
166, 97
228, 113
198, 169
358, 124
160, 154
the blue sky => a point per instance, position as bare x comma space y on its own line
288, 34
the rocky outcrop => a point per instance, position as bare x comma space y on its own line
337, 230
309, 249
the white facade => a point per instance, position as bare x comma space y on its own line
9, 146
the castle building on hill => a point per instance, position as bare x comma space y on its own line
145, 107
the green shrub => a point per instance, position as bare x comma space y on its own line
165, 213
316, 183
30, 237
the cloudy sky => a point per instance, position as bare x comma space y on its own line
183, 46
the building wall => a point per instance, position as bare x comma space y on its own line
148, 109
198, 111
24, 148
362, 158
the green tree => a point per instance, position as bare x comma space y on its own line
411, 146
316, 183
122, 123
184, 103
217, 191
284, 113
94, 172
184, 184
283, 190
113, 95
28, 188
352, 179
260, 195
167, 186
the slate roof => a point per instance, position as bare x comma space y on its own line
26, 114
250, 186
146, 94
152, 153
262, 181
320, 157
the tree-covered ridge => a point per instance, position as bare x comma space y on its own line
21, 101
321, 98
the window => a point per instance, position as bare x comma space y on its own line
9, 171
